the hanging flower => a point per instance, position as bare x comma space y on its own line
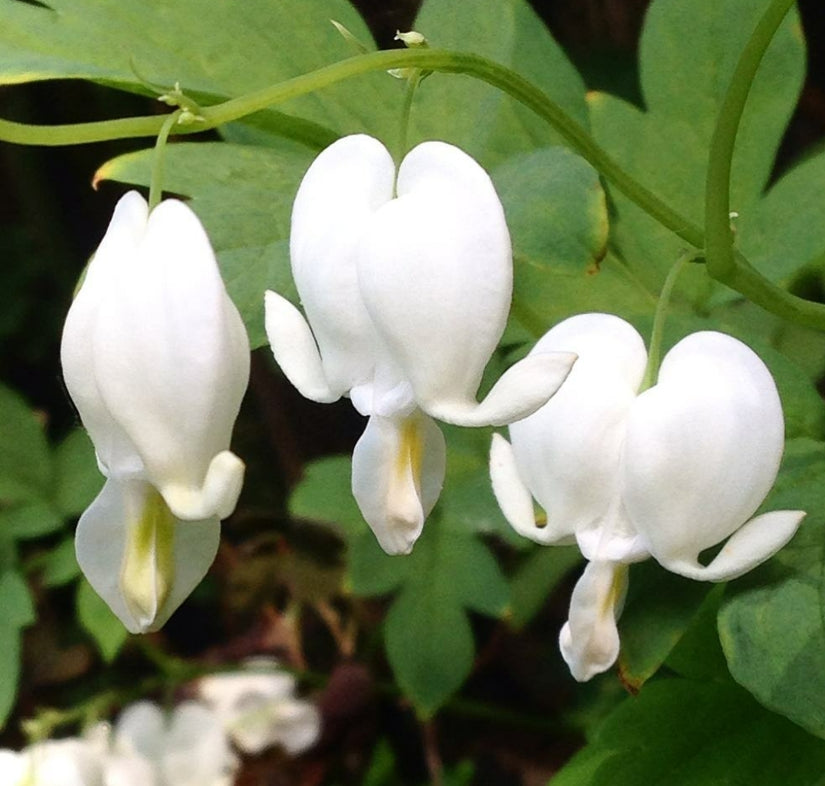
187, 748
258, 708
406, 284
156, 360
67, 762
667, 472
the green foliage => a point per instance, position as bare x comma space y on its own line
18, 612
100, 623
685, 733
770, 624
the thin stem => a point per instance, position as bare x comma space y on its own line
406, 111
654, 355
156, 183
721, 261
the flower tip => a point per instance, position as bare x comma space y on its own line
216, 497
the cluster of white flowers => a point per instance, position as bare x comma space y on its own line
626, 474
405, 278
191, 746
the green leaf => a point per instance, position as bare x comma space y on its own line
473, 115
537, 576
30, 519
77, 477
214, 50
99, 622
243, 195
685, 70
427, 633
60, 564
18, 612
683, 733
660, 607
770, 624
557, 215
25, 462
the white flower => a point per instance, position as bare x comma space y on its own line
259, 709
667, 472
156, 359
406, 283
188, 748
68, 762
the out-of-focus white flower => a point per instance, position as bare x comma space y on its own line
68, 762
187, 748
667, 472
406, 284
156, 359
259, 709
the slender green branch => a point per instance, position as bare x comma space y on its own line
156, 183
654, 353
720, 257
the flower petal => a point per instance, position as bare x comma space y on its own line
514, 497
703, 448
115, 450
568, 453
589, 640
340, 192
141, 729
295, 350
171, 356
520, 391
141, 560
435, 271
397, 472
753, 543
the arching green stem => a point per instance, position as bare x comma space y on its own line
654, 353
156, 183
719, 253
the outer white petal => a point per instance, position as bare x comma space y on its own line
435, 271
750, 545
342, 189
171, 359
143, 575
702, 451
515, 499
196, 750
397, 472
68, 762
117, 250
589, 640
520, 391
295, 350
568, 453
141, 729
13, 767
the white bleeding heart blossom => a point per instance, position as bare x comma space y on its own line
68, 762
258, 708
666, 472
406, 283
156, 360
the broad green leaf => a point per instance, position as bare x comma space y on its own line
683, 733
660, 606
536, 577
427, 633
685, 69
76, 475
477, 117
18, 612
770, 624
243, 195
100, 623
214, 50
30, 519
558, 221
60, 564
25, 462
